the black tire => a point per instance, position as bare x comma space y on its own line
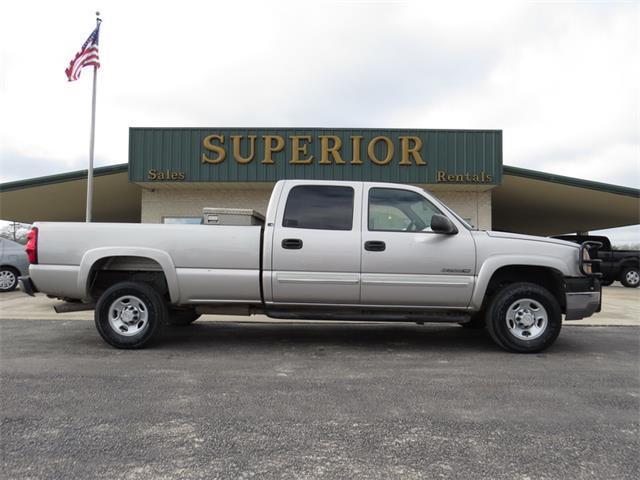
182, 318
630, 277
9, 279
149, 306
606, 283
477, 322
503, 331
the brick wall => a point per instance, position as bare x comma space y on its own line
474, 206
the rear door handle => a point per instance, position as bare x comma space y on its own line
375, 246
292, 243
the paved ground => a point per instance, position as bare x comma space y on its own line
224, 400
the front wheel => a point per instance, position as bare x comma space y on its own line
630, 277
524, 318
130, 314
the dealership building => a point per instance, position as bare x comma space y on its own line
173, 173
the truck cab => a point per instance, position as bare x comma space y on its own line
365, 244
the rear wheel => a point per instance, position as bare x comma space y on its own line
630, 277
8, 279
524, 318
130, 314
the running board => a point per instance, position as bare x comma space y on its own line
443, 317
73, 307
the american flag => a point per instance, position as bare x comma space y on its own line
87, 56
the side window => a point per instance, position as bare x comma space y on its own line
398, 210
319, 207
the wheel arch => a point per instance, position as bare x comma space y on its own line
128, 261
10, 267
547, 275
629, 262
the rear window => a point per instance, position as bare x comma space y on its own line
319, 207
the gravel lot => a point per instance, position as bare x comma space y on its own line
225, 400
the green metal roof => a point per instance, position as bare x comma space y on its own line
63, 177
570, 181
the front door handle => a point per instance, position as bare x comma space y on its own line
375, 246
292, 243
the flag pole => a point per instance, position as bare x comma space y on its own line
92, 138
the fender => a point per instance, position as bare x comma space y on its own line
161, 257
628, 262
493, 263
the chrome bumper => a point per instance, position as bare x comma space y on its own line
582, 304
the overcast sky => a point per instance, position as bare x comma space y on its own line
560, 79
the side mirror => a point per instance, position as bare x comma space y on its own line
441, 224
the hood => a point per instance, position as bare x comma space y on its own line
532, 238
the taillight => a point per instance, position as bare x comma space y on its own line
32, 245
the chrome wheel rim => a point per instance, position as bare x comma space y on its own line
128, 315
632, 277
526, 319
7, 279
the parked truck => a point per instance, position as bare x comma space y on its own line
615, 265
328, 250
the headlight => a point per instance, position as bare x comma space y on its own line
586, 266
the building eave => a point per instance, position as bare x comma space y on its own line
570, 181
63, 177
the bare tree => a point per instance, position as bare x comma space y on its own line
15, 231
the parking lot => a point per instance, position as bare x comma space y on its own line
232, 399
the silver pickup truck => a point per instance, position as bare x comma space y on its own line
328, 250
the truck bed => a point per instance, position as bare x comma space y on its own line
206, 259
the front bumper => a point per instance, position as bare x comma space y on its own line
583, 297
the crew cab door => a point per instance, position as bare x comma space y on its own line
404, 263
316, 244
